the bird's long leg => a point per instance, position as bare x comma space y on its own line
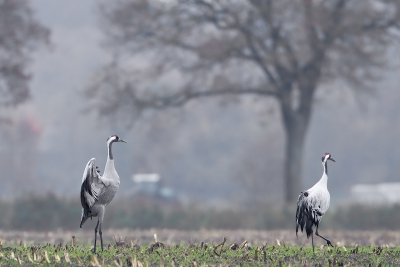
95, 236
312, 241
328, 242
101, 218
101, 237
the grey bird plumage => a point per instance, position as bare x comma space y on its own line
313, 204
97, 191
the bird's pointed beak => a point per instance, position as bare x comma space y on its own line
332, 159
120, 140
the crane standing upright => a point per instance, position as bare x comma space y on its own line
97, 191
313, 203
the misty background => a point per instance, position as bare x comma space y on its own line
221, 152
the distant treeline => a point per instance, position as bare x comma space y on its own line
45, 213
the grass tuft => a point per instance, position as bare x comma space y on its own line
198, 254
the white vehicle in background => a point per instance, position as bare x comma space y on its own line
150, 184
375, 194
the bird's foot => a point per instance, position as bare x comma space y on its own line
328, 243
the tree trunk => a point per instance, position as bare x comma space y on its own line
295, 128
295, 121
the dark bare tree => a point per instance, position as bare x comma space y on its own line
166, 53
20, 35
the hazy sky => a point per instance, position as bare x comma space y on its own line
60, 74
58, 78
74, 55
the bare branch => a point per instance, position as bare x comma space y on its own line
181, 99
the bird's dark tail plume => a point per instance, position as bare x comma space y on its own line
84, 217
304, 217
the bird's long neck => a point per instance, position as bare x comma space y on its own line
324, 179
110, 155
110, 168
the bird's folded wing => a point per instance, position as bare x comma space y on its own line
316, 203
91, 185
